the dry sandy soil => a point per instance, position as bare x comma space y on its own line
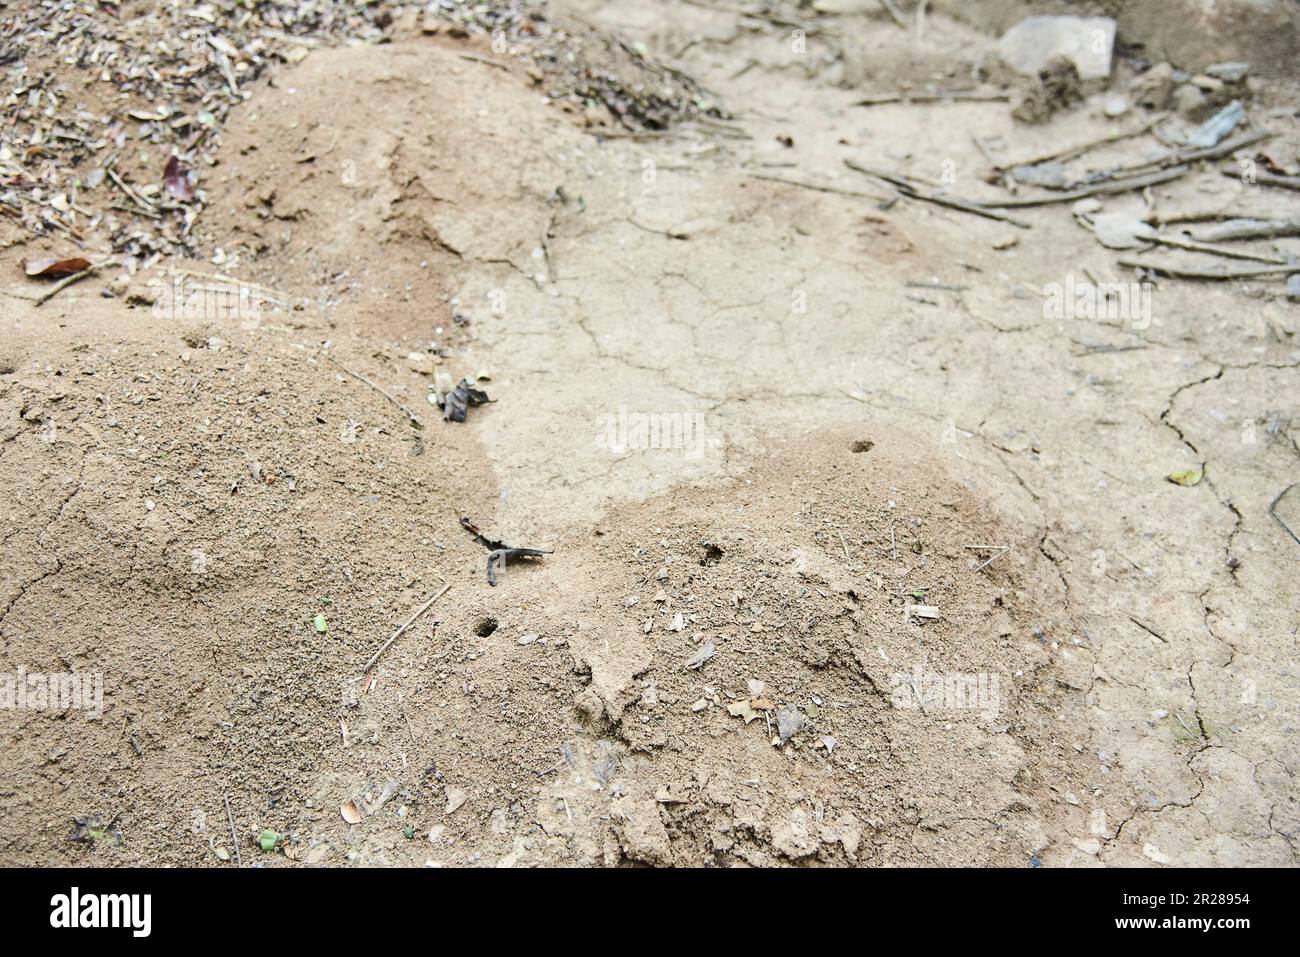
872, 389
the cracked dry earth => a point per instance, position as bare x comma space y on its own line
183, 496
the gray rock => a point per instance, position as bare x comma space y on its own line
1087, 41
1116, 105
1218, 126
1154, 88
1293, 287
789, 722
1050, 175
1189, 100
1233, 72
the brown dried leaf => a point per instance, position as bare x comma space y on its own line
54, 268
177, 180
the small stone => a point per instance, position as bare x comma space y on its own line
1293, 287
1031, 43
789, 722
1189, 100
455, 798
1153, 88
1116, 105
1233, 72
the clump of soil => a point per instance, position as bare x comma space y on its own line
1057, 89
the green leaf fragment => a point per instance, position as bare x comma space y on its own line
321, 624
1186, 477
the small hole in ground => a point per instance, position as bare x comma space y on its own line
863, 445
712, 554
486, 627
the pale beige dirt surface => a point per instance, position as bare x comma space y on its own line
184, 495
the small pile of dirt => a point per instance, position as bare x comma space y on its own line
1057, 88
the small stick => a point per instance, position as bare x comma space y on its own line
1110, 186
1180, 272
952, 96
1245, 228
239, 858
415, 423
1082, 148
484, 60
1184, 156
1000, 549
1210, 249
141, 201
405, 625
894, 14
1272, 510
817, 187
69, 280
275, 295
1268, 179
952, 202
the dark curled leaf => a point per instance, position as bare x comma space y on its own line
504, 556
54, 268
499, 552
457, 402
177, 180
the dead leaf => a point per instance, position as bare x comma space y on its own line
54, 268
455, 798
702, 654
351, 813
750, 708
177, 180
457, 402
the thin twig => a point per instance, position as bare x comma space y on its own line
405, 625
894, 13
1000, 549
68, 281
1192, 246
1183, 156
1273, 506
415, 423
1075, 151
139, 200
951, 96
1241, 227
1181, 272
1098, 189
939, 199
239, 858
817, 187
485, 61
1268, 179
